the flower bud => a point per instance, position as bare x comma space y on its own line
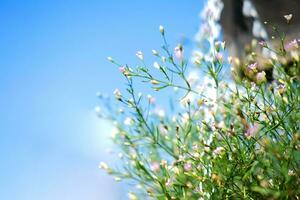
161, 30
110, 59
154, 52
103, 166
156, 65
154, 82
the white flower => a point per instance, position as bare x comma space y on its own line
128, 121
140, 55
159, 112
288, 17
190, 97
117, 94
178, 51
97, 109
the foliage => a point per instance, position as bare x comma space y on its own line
226, 140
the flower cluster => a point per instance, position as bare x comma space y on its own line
224, 141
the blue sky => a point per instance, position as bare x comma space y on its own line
52, 62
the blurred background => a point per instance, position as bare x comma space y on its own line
52, 63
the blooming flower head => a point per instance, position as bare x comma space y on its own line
187, 166
261, 77
128, 121
155, 166
218, 151
178, 51
122, 69
263, 43
293, 45
288, 17
253, 66
140, 55
219, 57
159, 112
281, 88
103, 165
